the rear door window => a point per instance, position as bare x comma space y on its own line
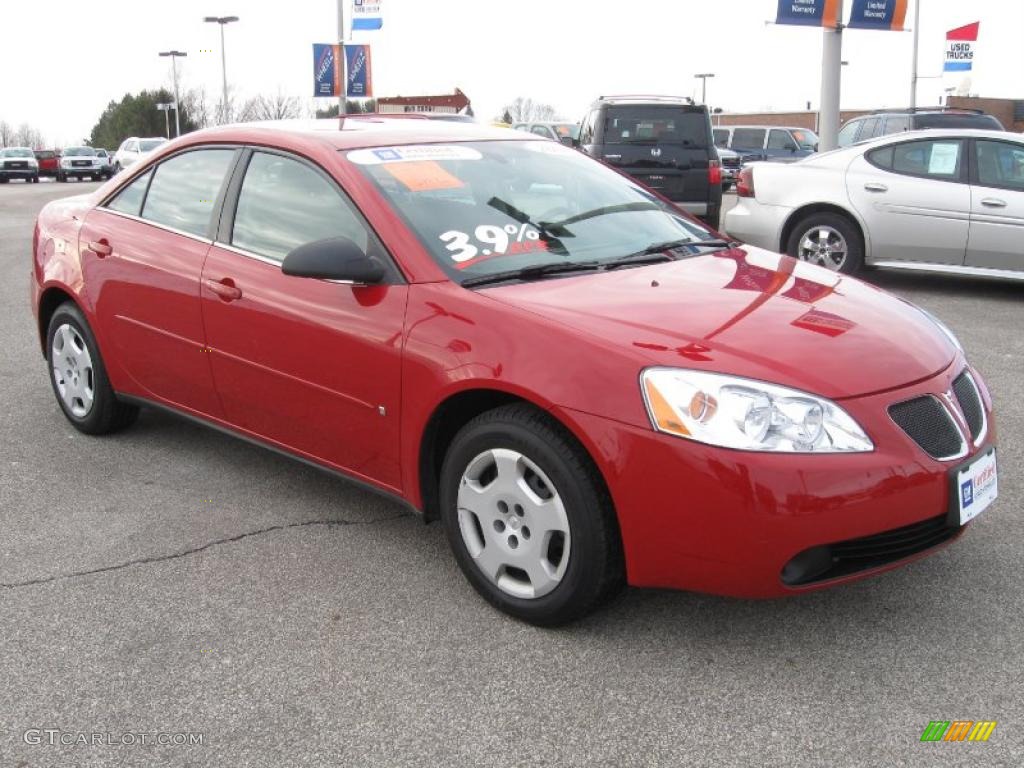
848, 135
184, 189
870, 128
655, 125
748, 138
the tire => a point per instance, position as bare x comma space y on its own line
4, 179
576, 564
60, 177
807, 243
35, 179
104, 413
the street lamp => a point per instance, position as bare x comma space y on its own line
174, 68
703, 77
223, 21
164, 107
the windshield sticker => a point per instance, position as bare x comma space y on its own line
423, 176
414, 153
943, 158
489, 241
547, 147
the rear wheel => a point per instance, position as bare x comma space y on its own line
528, 518
79, 378
829, 240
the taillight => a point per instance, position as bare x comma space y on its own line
714, 172
745, 183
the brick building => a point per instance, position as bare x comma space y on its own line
1010, 112
452, 104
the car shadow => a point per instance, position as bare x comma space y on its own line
954, 286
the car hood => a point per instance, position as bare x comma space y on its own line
749, 312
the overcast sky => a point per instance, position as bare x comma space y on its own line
71, 57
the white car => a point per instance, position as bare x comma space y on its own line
134, 148
936, 200
18, 163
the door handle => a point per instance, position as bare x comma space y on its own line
224, 288
101, 248
993, 202
873, 186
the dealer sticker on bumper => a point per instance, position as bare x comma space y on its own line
978, 486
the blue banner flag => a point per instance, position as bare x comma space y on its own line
359, 77
366, 15
326, 70
879, 14
808, 13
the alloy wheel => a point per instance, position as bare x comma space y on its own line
825, 246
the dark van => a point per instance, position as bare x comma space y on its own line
663, 142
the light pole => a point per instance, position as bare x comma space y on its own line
165, 108
223, 21
831, 82
703, 77
341, 52
174, 68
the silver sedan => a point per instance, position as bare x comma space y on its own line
935, 200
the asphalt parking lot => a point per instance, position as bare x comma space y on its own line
171, 579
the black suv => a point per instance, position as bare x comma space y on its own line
886, 121
661, 141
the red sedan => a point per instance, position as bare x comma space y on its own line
585, 385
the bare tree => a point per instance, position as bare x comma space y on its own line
6, 134
197, 104
27, 136
526, 110
280, 106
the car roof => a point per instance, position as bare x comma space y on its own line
355, 132
940, 133
763, 125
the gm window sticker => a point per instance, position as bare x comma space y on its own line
488, 241
413, 153
423, 176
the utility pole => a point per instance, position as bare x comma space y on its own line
831, 82
174, 69
913, 64
341, 53
223, 21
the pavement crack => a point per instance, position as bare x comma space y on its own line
193, 550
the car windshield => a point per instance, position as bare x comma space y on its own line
45, 154
79, 152
806, 139
656, 125
148, 145
18, 152
489, 207
566, 129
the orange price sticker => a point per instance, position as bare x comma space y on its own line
423, 176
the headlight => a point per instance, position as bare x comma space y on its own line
748, 415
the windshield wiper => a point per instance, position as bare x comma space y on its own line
653, 254
534, 272
549, 233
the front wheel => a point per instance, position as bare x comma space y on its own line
829, 240
528, 518
79, 378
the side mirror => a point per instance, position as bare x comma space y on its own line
569, 141
336, 258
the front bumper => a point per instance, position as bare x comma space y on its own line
708, 519
18, 173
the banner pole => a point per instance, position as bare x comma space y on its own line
913, 64
831, 68
341, 56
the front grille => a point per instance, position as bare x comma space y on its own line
970, 404
853, 555
14, 165
928, 423
81, 163
731, 162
